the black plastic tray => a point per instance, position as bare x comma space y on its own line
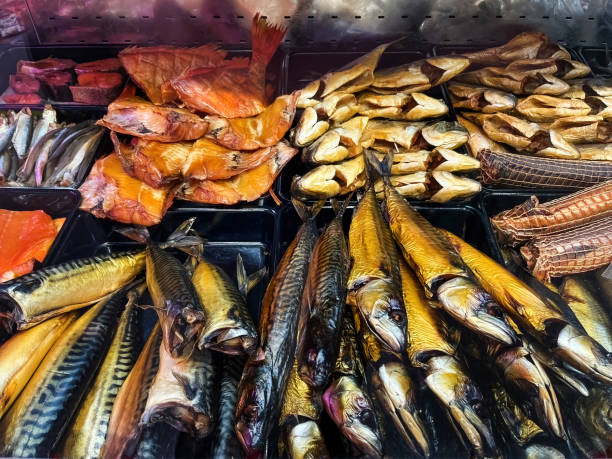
58, 203
597, 58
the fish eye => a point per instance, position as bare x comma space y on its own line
397, 317
494, 310
367, 418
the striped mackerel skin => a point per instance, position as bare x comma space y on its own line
86, 435
40, 415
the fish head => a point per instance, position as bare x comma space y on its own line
352, 410
255, 391
463, 401
470, 304
529, 383
186, 325
317, 365
234, 340
382, 306
586, 354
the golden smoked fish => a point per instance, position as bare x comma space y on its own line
431, 349
374, 284
23, 352
51, 291
229, 327
34, 425
302, 404
543, 320
585, 301
439, 267
123, 430
395, 389
87, 432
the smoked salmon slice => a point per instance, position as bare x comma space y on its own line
25, 237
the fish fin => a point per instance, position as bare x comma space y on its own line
265, 39
135, 233
340, 207
306, 212
376, 168
187, 240
247, 282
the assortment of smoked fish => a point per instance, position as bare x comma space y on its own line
535, 116
379, 334
362, 107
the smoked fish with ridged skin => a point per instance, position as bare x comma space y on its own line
35, 423
123, 430
323, 300
521, 171
266, 373
85, 436
572, 251
23, 352
532, 219
51, 291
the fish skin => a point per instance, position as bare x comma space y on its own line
7, 129
583, 299
46, 122
304, 441
23, 352
229, 327
60, 382
51, 291
374, 283
225, 443
87, 431
176, 301
123, 431
158, 441
323, 304
181, 393
23, 130
266, 374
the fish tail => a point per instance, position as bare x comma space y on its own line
247, 282
376, 168
340, 207
306, 212
186, 239
265, 39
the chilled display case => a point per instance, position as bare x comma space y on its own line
527, 396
